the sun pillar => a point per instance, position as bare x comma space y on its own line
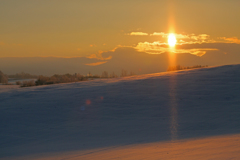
173, 105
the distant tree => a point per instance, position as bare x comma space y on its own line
43, 80
124, 73
105, 74
3, 78
178, 67
132, 73
96, 76
28, 83
113, 75
23, 75
89, 75
18, 83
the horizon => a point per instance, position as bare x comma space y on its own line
121, 58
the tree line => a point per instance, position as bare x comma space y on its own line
22, 75
57, 78
178, 67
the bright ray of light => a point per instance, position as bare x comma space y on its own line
172, 40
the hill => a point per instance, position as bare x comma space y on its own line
155, 113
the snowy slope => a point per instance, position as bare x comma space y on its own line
117, 112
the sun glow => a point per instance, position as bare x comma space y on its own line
172, 40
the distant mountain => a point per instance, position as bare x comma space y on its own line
122, 58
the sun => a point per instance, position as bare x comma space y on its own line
172, 40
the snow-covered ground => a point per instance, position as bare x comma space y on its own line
90, 120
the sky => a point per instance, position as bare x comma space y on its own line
86, 28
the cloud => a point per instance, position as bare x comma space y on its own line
159, 48
159, 34
182, 36
138, 34
93, 45
231, 40
95, 64
193, 41
165, 35
152, 48
99, 56
203, 36
196, 51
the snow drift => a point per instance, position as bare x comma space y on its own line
141, 109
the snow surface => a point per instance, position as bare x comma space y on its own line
142, 109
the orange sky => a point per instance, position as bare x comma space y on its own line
76, 28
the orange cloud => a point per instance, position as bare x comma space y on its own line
158, 48
138, 34
159, 34
96, 64
93, 56
161, 46
232, 39
181, 38
165, 35
200, 37
99, 56
93, 45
